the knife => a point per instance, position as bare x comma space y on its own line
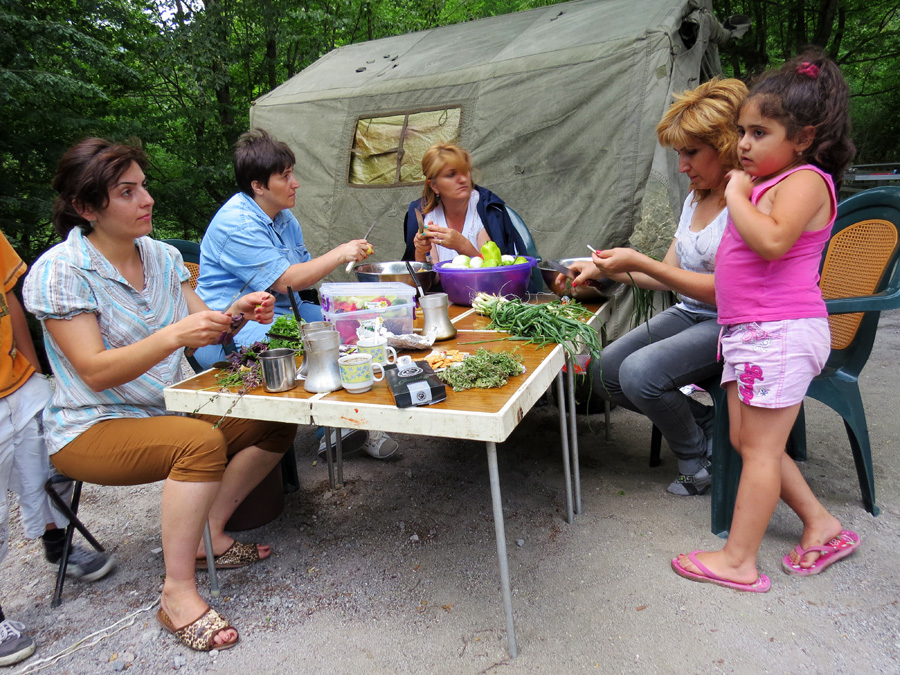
420, 221
559, 267
601, 284
294, 308
243, 288
224, 336
350, 264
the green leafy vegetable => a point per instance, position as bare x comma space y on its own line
483, 370
287, 326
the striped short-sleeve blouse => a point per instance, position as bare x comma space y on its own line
72, 278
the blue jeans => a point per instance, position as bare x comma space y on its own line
644, 370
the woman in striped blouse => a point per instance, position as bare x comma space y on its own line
117, 311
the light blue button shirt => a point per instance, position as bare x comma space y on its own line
243, 243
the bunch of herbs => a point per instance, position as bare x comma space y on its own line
483, 370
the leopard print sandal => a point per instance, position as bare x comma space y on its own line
200, 634
237, 555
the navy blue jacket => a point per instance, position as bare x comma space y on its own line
492, 211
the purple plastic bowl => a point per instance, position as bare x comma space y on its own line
462, 285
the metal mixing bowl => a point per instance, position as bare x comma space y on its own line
397, 271
550, 274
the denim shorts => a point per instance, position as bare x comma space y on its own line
773, 362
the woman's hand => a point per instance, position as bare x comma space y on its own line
422, 244
356, 250
450, 238
201, 328
444, 236
258, 306
618, 261
584, 270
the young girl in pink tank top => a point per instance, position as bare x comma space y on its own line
795, 141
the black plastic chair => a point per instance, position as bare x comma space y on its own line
70, 510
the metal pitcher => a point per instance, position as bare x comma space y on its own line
322, 353
436, 308
308, 329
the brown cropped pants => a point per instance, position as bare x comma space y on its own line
136, 451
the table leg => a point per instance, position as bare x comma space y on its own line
329, 456
564, 439
213, 576
340, 456
573, 431
500, 533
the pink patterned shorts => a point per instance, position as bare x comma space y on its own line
773, 362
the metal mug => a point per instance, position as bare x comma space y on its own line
436, 308
279, 369
307, 329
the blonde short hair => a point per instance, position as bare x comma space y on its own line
436, 159
707, 114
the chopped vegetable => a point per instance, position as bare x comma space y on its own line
483, 370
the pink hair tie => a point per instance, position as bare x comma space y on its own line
809, 69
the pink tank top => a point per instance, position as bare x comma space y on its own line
751, 288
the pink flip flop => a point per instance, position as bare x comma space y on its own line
838, 548
761, 585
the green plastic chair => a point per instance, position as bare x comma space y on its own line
860, 278
536, 285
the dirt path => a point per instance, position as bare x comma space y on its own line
397, 572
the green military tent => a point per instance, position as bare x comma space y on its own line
557, 105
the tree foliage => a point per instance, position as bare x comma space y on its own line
862, 37
181, 76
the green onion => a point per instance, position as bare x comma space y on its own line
542, 324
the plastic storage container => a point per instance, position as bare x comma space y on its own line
354, 297
462, 285
398, 319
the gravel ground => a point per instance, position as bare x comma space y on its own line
397, 572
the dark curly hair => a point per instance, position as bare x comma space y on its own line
83, 178
809, 90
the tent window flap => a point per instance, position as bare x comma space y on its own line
388, 150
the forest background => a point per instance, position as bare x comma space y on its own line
181, 75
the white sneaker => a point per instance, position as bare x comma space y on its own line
380, 445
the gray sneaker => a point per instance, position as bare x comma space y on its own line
87, 565
351, 441
692, 485
14, 645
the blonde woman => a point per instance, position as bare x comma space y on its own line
459, 215
644, 369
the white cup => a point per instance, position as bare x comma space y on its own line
378, 347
